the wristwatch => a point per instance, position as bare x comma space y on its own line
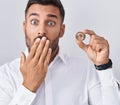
104, 66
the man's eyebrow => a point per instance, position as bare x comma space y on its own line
52, 16
48, 15
33, 14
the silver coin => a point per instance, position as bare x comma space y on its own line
80, 36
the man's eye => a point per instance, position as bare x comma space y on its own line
51, 23
34, 22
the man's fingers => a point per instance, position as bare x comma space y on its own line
47, 60
90, 32
98, 43
22, 61
39, 49
82, 45
44, 52
33, 49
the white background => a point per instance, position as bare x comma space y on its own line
102, 16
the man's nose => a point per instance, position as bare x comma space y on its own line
42, 30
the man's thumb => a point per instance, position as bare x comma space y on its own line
23, 58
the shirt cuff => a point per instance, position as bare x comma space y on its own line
106, 77
23, 97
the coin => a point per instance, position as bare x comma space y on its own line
80, 36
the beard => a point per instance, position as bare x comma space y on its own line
53, 43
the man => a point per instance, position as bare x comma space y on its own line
45, 76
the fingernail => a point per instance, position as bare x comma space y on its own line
38, 39
43, 38
47, 41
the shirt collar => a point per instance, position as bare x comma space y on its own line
61, 55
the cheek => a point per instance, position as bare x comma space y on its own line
53, 34
54, 44
29, 36
30, 33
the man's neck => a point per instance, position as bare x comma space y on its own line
53, 55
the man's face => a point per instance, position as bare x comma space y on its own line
42, 20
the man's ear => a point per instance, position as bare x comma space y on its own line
24, 25
62, 30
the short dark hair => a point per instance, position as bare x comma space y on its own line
56, 3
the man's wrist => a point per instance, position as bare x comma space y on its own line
104, 66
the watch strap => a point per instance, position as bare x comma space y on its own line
104, 66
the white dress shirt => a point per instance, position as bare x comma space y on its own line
69, 81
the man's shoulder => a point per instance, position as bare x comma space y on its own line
10, 73
10, 66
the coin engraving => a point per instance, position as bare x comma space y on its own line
80, 36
